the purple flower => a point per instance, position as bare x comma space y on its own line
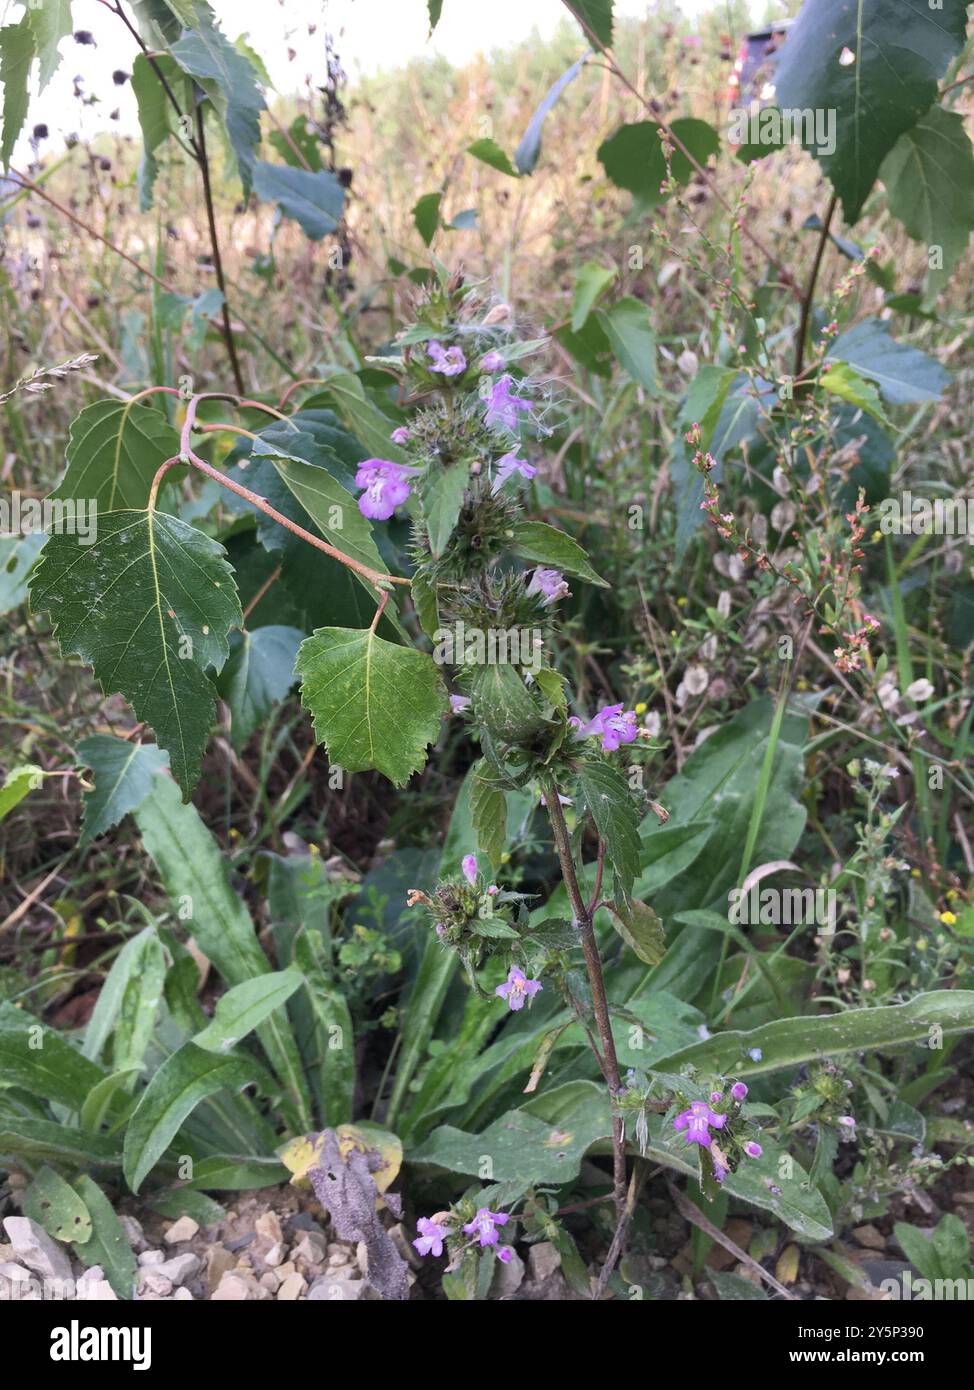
739, 1090
516, 988
697, 1121
469, 867
448, 361
431, 1237
549, 584
385, 485
485, 1224
505, 1253
492, 361
753, 1150
715, 1097
755, 1054
400, 435
506, 466
458, 703
611, 725
502, 407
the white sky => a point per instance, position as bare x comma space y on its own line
370, 35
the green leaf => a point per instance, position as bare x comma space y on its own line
374, 705
595, 17
426, 215
185, 1079
359, 414
503, 704
244, 1007
206, 53
114, 450
128, 1002
231, 1173
929, 178
332, 1042
641, 930
55, 1206
536, 540
632, 340
791, 1042
592, 282
124, 770
316, 201
39, 1141
527, 153
488, 810
17, 557
149, 605
609, 801
489, 152
257, 677
154, 109
632, 157
50, 22
425, 602
435, 8
108, 1245
919, 1249
195, 877
300, 147
99, 1100
18, 782
442, 495
875, 64
41, 1061
16, 57
903, 374
843, 381
543, 1141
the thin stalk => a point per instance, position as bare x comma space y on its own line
204, 164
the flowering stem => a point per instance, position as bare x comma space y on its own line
608, 1061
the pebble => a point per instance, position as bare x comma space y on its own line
543, 1260
33, 1247
183, 1229
180, 1269
336, 1289
292, 1288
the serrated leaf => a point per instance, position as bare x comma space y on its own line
55, 1206
632, 157
114, 450
488, 811
315, 200
929, 178
258, 675
489, 152
609, 801
844, 381
426, 215
206, 53
186, 1078
154, 110
595, 17
374, 704
244, 1007
591, 283
50, 22
149, 606
536, 540
124, 770
442, 499
902, 373
633, 341
641, 930
16, 57
503, 705
875, 64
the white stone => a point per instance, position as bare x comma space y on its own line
34, 1248
183, 1229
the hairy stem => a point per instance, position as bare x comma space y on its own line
608, 1061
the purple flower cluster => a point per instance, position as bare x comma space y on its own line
502, 407
386, 486
484, 1228
549, 585
698, 1120
613, 725
507, 466
516, 988
448, 361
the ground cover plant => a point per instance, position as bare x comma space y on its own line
486, 786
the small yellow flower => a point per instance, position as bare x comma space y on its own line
672, 631
948, 918
641, 707
951, 895
914, 873
681, 601
802, 683
877, 535
505, 858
